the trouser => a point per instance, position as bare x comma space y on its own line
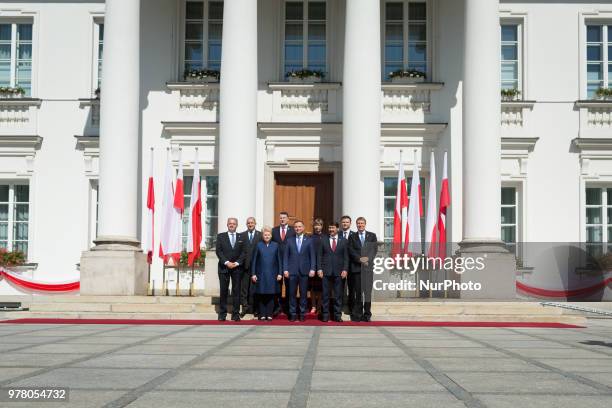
351, 293
336, 284
280, 304
246, 295
266, 305
296, 281
224, 282
362, 286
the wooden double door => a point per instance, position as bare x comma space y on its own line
305, 196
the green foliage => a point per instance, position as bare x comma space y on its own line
7, 90
11, 258
202, 74
407, 73
184, 261
604, 92
510, 93
305, 73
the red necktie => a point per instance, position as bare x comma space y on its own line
334, 244
282, 234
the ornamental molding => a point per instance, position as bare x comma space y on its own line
90, 146
513, 112
195, 96
21, 147
18, 112
400, 98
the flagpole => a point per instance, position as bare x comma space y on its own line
191, 285
151, 289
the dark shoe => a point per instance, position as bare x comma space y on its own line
339, 319
355, 319
365, 319
221, 318
325, 319
302, 318
292, 318
261, 318
236, 318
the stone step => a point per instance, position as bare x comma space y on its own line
567, 319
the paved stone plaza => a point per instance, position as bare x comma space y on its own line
302, 366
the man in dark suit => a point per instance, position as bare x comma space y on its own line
345, 233
299, 264
363, 246
333, 262
231, 251
251, 237
280, 235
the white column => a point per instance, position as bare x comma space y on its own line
361, 112
481, 122
116, 265
119, 122
238, 112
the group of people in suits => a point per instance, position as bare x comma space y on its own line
259, 263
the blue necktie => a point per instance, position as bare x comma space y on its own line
299, 244
361, 238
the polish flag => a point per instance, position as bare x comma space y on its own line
194, 234
400, 219
170, 240
444, 204
415, 212
149, 239
431, 233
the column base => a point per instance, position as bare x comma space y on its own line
115, 266
497, 278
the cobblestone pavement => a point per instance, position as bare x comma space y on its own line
266, 366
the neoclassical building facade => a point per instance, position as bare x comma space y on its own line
101, 83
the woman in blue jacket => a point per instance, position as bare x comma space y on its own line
266, 273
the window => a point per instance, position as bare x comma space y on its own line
14, 216
98, 47
598, 220
16, 56
305, 35
598, 55
510, 56
211, 214
390, 189
509, 217
405, 36
203, 29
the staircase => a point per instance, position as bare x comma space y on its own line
204, 308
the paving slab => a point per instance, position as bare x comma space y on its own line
239, 380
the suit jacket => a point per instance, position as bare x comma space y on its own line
276, 237
225, 252
250, 246
302, 262
332, 263
356, 251
341, 234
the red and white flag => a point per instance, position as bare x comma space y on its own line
444, 204
194, 234
431, 233
149, 238
400, 219
415, 212
170, 240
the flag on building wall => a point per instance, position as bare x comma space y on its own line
444, 204
431, 233
194, 235
400, 218
415, 212
170, 237
149, 239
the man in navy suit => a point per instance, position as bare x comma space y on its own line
231, 252
363, 246
299, 264
333, 262
280, 235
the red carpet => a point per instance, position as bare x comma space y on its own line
284, 322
